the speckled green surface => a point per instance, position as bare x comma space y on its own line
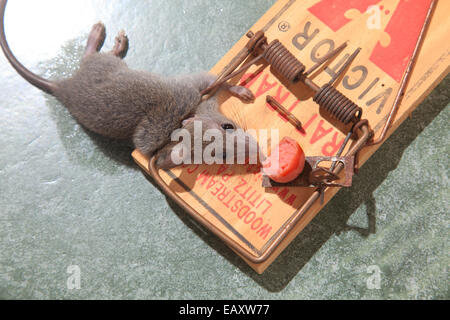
70, 198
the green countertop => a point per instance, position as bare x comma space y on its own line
69, 198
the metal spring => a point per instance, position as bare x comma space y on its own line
337, 105
283, 61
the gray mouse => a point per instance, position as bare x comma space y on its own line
108, 98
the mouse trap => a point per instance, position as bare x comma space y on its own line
338, 77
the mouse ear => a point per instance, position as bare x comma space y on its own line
190, 120
164, 160
187, 121
169, 156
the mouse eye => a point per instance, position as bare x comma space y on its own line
227, 126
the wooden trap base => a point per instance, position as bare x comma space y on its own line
230, 200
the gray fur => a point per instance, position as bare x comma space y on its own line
108, 98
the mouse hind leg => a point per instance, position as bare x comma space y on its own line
96, 39
121, 45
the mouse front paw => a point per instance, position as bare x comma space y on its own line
243, 93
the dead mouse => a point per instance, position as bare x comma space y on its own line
108, 98
243, 148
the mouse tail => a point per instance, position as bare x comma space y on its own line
35, 80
